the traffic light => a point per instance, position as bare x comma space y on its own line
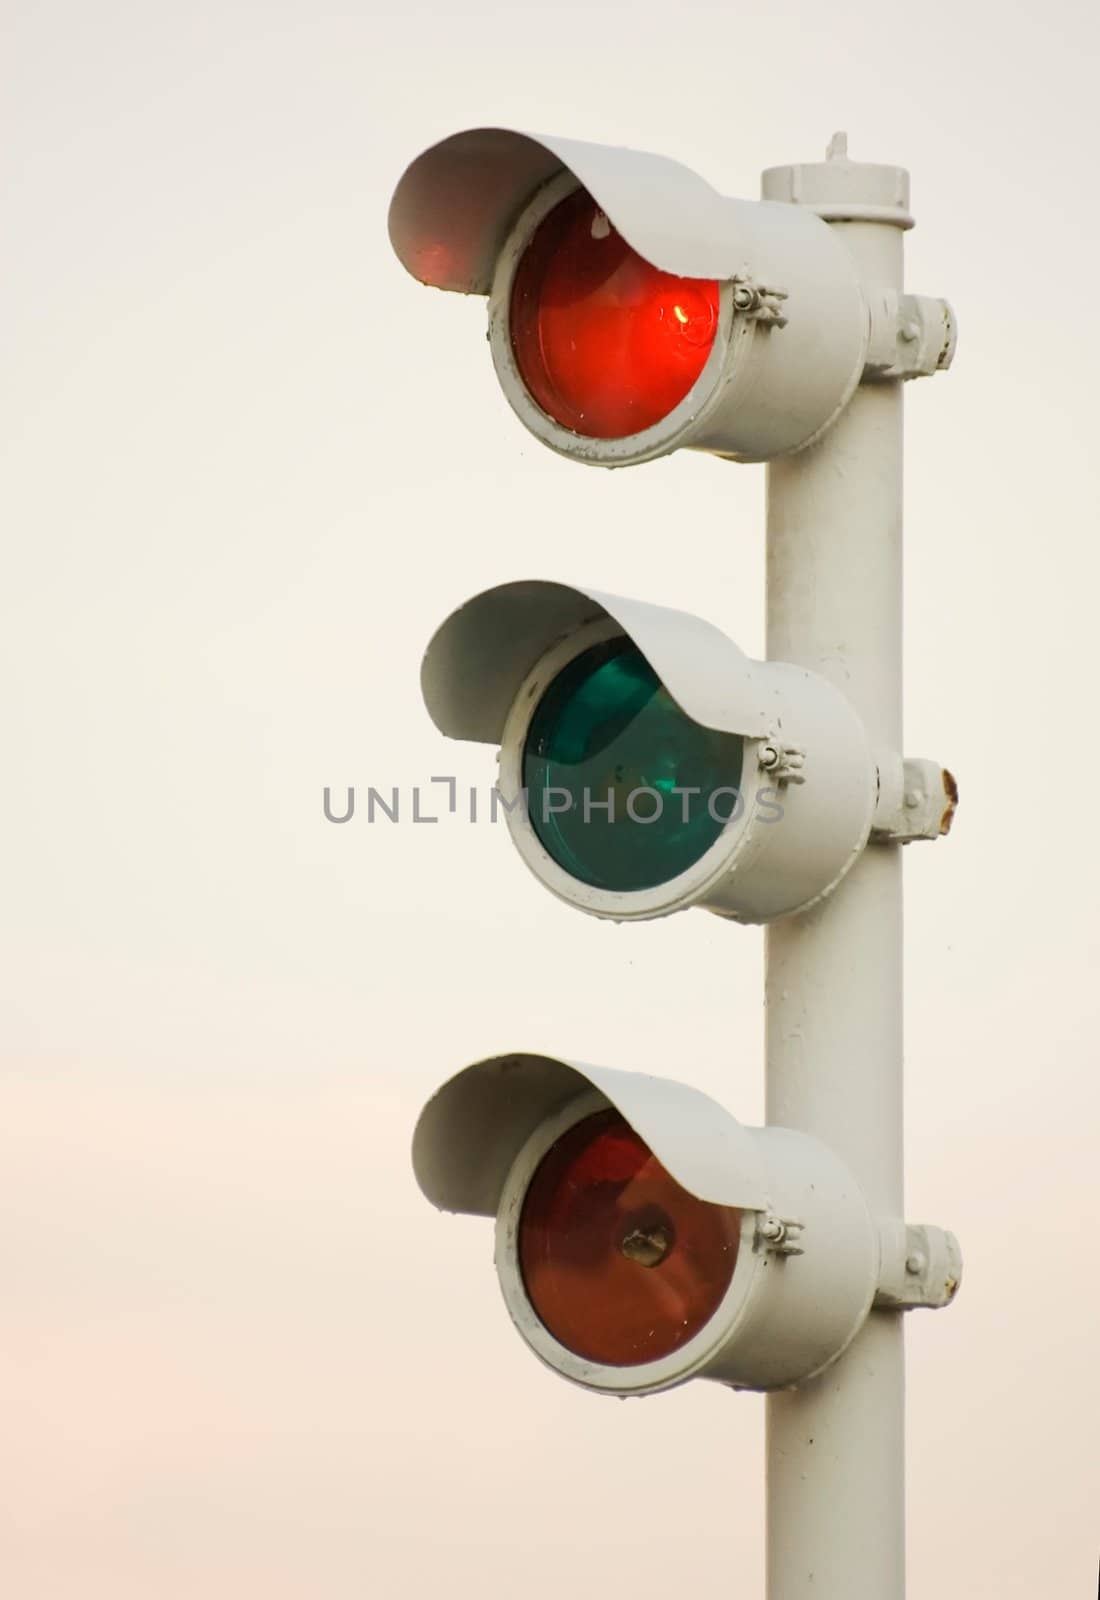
646, 764
634, 311
644, 1236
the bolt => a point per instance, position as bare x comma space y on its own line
769, 757
773, 1230
912, 799
745, 297
910, 332
647, 1246
915, 1264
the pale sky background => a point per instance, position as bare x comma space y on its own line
248, 466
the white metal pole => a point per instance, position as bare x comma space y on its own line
835, 1446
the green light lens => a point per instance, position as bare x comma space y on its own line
625, 791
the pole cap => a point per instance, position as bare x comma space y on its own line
840, 190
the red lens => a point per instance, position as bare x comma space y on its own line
606, 343
621, 1265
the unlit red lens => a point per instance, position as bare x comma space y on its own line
620, 1264
606, 344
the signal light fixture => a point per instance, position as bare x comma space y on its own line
633, 310
646, 764
644, 1236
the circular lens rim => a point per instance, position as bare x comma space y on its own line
678, 1213
664, 436
689, 887
647, 1377
590, 399
576, 848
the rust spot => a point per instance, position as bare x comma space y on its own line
951, 790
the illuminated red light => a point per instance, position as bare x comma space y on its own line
620, 1264
606, 344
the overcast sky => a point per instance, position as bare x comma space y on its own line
248, 466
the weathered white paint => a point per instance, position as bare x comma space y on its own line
836, 1446
780, 370
488, 666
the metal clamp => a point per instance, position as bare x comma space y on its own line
911, 335
920, 1267
916, 800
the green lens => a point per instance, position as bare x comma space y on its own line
625, 791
